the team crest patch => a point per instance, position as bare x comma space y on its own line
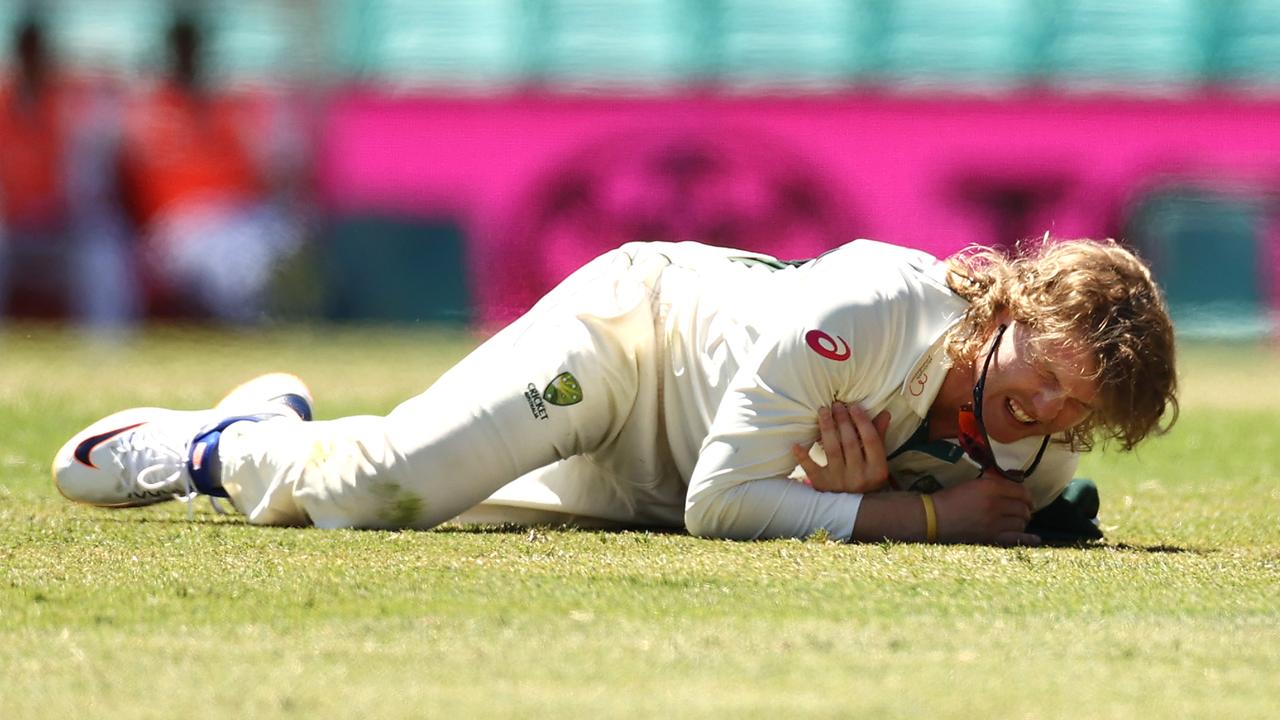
563, 390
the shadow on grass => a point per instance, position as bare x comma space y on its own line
207, 520
1160, 549
129, 518
515, 529
1155, 549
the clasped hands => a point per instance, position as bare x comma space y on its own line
987, 509
854, 446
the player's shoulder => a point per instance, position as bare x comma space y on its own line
703, 259
869, 271
875, 255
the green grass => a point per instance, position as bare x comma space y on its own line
147, 614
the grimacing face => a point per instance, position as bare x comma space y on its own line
1035, 387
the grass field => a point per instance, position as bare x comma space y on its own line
147, 614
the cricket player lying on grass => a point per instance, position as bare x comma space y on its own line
679, 385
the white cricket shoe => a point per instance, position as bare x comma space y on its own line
148, 455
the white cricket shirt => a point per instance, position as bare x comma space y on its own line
754, 352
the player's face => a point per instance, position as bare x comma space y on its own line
1036, 387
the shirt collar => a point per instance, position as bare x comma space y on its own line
925, 378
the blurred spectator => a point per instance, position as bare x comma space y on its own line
211, 236
59, 230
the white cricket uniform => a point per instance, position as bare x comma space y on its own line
692, 371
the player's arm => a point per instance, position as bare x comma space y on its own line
989, 509
986, 510
740, 486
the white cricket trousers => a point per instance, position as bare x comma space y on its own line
483, 424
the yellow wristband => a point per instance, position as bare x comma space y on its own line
930, 519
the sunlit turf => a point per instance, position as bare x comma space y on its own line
149, 614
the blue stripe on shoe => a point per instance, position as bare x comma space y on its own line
203, 464
296, 403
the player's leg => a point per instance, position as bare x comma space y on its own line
584, 492
575, 491
559, 382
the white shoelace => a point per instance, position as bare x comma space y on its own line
155, 467
176, 478
140, 462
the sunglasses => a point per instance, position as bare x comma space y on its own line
973, 432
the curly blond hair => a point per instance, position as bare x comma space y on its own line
1091, 292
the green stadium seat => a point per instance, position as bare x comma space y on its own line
805, 44
978, 45
633, 44
1250, 54
122, 36
250, 41
458, 44
1156, 46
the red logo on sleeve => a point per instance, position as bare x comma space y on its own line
826, 346
918, 382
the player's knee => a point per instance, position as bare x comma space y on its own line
704, 519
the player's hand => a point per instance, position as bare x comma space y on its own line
988, 509
854, 445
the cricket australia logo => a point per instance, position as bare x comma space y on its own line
535, 402
563, 390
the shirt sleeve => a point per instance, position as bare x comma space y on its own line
841, 350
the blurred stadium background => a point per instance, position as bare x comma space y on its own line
450, 160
